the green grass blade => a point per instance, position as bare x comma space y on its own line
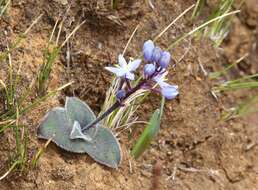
249, 106
114, 4
50, 57
235, 86
247, 77
42, 99
218, 74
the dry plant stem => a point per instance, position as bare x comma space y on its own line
128, 84
157, 168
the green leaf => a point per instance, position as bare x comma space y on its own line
79, 111
57, 125
149, 132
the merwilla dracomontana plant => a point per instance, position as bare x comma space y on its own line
75, 127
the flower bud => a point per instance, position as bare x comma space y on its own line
148, 48
156, 54
149, 69
120, 94
165, 59
169, 91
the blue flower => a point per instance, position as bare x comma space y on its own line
124, 70
165, 59
149, 69
148, 48
167, 90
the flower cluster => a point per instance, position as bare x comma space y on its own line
155, 71
155, 55
156, 68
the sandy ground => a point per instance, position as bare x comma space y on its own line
194, 149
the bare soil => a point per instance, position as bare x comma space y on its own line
194, 148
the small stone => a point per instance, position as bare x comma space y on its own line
169, 153
146, 174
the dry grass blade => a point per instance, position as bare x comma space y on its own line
173, 22
3, 6
14, 165
224, 71
130, 39
180, 39
72, 33
33, 23
7, 122
39, 153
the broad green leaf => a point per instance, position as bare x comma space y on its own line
149, 132
104, 147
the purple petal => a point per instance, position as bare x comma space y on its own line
117, 71
163, 84
129, 76
160, 78
122, 61
149, 69
157, 78
169, 91
133, 65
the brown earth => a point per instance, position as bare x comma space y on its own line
194, 149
